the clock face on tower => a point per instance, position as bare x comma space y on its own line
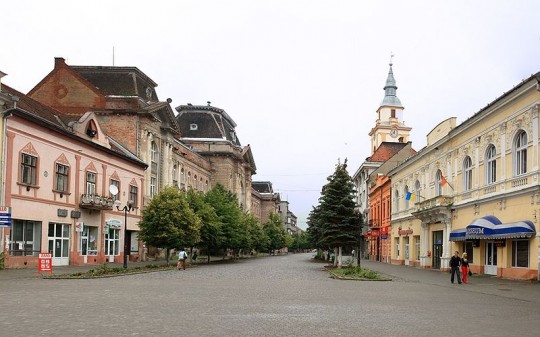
393, 133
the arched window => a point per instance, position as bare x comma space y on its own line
467, 173
491, 165
417, 188
407, 198
520, 153
438, 183
154, 152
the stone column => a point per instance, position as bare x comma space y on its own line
447, 246
424, 240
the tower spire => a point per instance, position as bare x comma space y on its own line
390, 88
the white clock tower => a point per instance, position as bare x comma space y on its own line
389, 126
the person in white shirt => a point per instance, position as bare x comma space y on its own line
182, 256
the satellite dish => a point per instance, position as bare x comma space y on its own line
113, 189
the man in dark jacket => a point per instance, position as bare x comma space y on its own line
455, 262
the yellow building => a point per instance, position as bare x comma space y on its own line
474, 188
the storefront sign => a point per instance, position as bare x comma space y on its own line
475, 230
500, 243
384, 236
75, 214
62, 212
45, 263
5, 216
79, 226
405, 232
113, 223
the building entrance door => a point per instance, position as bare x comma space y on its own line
59, 243
406, 250
437, 250
491, 258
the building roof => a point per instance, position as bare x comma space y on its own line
119, 81
262, 186
386, 151
199, 121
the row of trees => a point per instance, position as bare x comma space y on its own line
334, 224
213, 221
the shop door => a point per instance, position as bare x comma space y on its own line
437, 250
491, 258
406, 250
59, 243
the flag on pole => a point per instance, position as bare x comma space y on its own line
443, 180
410, 196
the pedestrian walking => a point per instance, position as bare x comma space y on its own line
455, 262
182, 256
464, 267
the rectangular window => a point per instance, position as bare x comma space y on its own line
520, 253
468, 248
153, 185
133, 190
89, 238
25, 238
62, 173
397, 247
90, 183
117, 184
28, 169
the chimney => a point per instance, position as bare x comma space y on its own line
59, 61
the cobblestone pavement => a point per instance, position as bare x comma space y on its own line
271, 296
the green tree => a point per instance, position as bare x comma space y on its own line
210, 231
337, 223
257, 238
276, 233
228, 211
168, 221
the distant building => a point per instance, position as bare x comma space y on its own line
263, 200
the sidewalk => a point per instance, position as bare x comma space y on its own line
521, 290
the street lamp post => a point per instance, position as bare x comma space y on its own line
127, 208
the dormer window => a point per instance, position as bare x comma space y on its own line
91, 129
193, 127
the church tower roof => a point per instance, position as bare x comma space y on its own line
390, 89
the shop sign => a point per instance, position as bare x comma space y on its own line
500, 243
5, 216
405, 232
475, 230
62, 212
79, 226
45, 263
113, 223
384, 236
75, 214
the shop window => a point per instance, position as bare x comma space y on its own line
25, 238
520, 253
397, 247
468, 248
89, 239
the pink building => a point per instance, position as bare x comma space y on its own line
58, 176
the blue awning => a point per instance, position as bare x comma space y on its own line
489, 227
482, 228
514, 230
458, 234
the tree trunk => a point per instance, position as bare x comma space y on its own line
167, 253
339, 258
208, 253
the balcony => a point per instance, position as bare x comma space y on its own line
434, 209
96, 202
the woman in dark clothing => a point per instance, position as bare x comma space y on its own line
464, 267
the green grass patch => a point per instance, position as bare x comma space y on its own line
105, 270
357, 273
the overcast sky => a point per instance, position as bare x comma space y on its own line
302, 79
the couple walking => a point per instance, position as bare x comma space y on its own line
456, 263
